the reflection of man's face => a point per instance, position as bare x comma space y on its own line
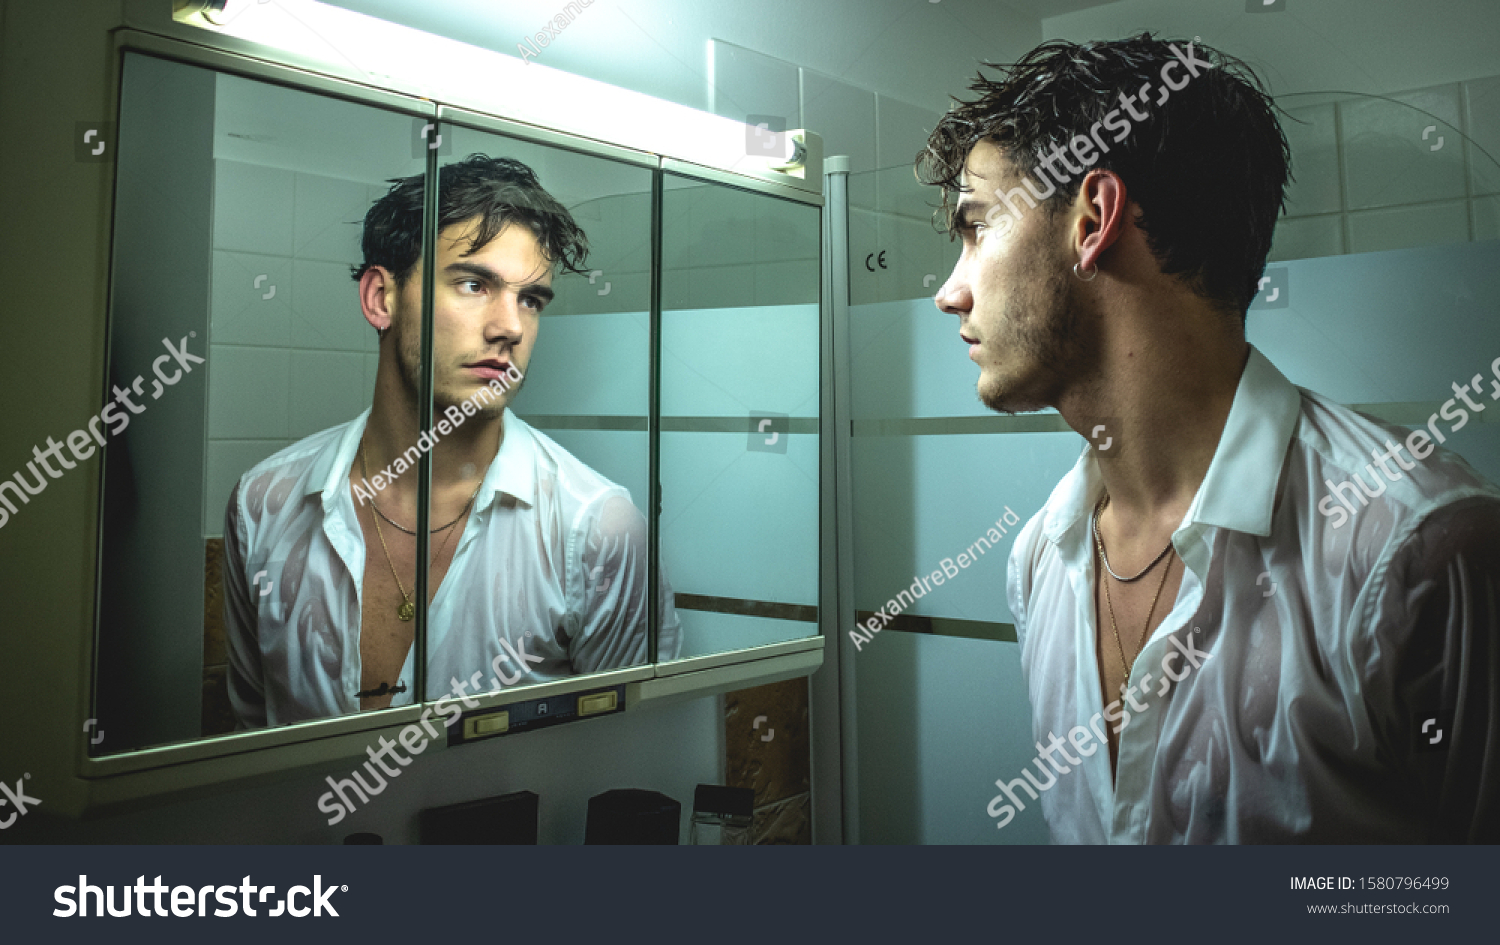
1012, 290
484, 314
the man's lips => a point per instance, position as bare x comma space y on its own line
489, 369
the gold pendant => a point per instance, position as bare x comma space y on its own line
407, 610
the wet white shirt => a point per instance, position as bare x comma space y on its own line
551, 564
1351, 687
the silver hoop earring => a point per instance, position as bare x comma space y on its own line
1086, 278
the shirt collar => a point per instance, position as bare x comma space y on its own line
512, 472
1239, 490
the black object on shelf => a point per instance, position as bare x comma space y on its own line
505, 819
633, 815
357, 839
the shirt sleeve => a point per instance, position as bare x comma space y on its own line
241, 626
1436, 701
615, 570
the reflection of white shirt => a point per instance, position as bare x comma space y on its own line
552, 560
1330, 647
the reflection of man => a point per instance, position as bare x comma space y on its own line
539, 564
1218, 660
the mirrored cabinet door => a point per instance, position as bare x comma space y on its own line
246, 341
543, 275
739, 415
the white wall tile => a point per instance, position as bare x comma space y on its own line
785, 231
787, 283
1386, 159
901, 131
247, 393
325, 308
751, 83
1408, 227
228, 460
844, 115
1313, 136
327, 388
239, 312
1482, 108
328, 218
253, 208
1306, 237
1486, 217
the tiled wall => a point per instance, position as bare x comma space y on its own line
890, 213
289, 354
1416, 168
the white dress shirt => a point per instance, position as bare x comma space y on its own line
551, 564
1328, 648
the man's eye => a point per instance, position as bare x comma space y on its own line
471, 282
536, 303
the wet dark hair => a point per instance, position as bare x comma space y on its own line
499, 191
1208, 166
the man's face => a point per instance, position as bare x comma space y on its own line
1013, 290
485, 314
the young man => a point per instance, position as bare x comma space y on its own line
1220, 657
539, 564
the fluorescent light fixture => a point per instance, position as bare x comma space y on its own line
350, 45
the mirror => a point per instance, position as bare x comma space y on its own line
739, 414
234, 319
260, 562
554, 565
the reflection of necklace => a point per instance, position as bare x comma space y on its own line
403, 527
407, 609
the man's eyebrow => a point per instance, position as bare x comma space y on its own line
494, 278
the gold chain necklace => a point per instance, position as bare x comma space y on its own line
1099, 543
407, 610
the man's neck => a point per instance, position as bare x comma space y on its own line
1165, 408
460, 458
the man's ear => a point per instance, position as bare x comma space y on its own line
1104, 194
377, 292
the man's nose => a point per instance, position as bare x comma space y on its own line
953, 296
506, 320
